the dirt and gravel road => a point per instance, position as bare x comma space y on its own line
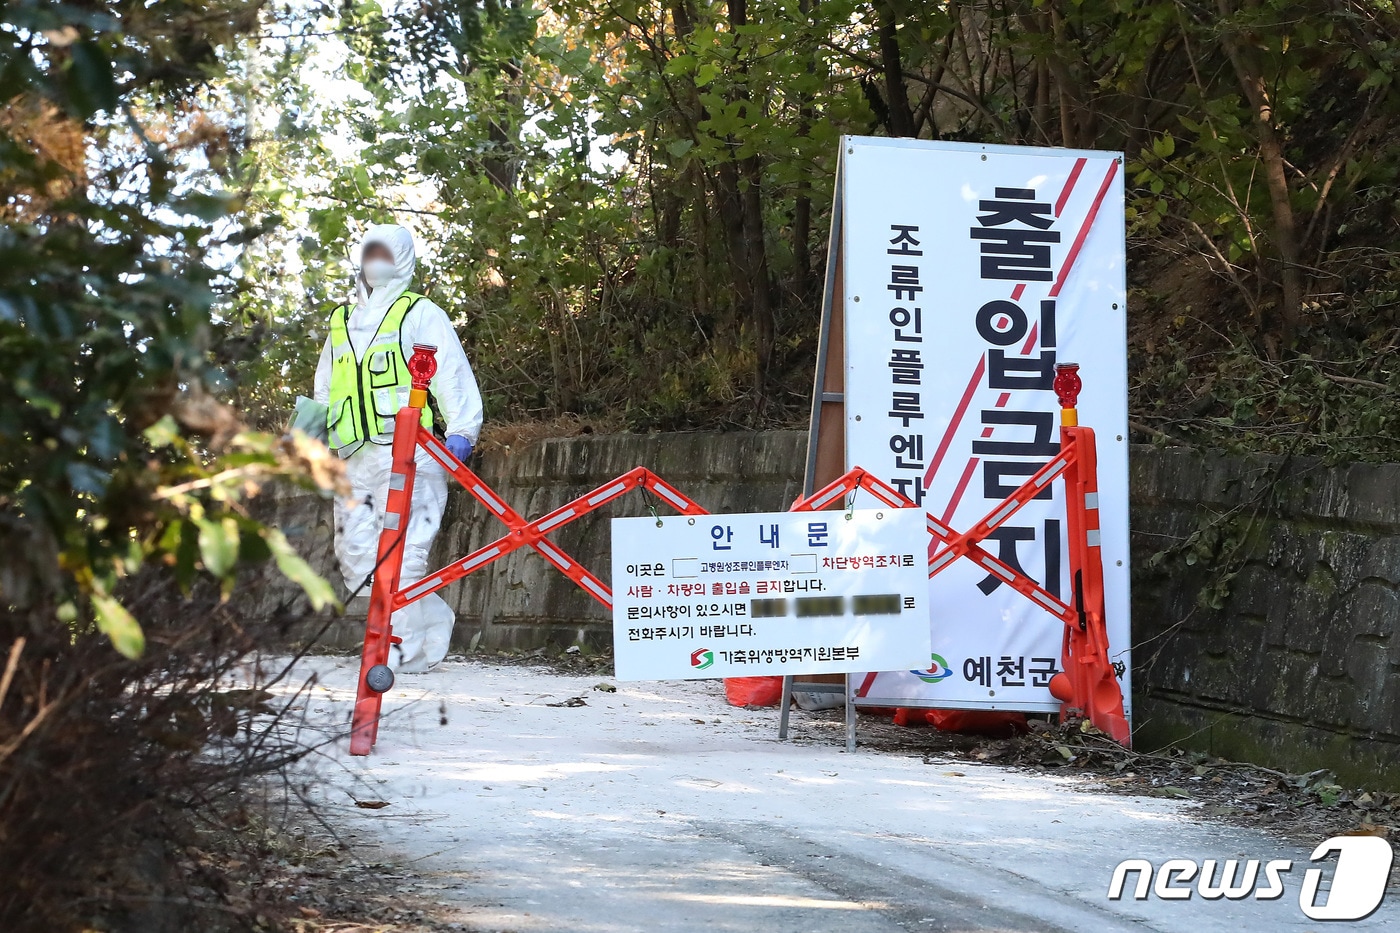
529, 800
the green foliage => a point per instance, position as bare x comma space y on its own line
117, 452
624, 205
583, 285
119, 625
295, 568
1339, 400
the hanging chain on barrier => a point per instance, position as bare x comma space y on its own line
650, 502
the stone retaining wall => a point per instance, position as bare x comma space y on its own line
1266, 592
521, 601
1266, 626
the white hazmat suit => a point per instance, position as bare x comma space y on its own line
425, 625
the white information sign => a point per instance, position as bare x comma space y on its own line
769, 593
969, 272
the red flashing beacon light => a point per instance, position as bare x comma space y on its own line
1067, 385
422, 366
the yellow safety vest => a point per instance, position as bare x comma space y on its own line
368, 391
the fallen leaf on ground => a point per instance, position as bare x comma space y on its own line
1167, 792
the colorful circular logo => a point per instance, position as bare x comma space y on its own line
937, 671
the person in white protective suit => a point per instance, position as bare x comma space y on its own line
363, 381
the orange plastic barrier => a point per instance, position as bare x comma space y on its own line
1086, 687
387, 595
753, 691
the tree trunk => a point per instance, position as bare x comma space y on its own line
802, 209
1285, 232
901, 119
756, 256
801, 244
740, 195
1065, 84
1042, 102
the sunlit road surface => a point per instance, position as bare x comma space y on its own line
660, 808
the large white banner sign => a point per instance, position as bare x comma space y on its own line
769, 593
969, 272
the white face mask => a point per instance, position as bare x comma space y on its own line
377, 272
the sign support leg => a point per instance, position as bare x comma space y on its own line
785, 707
1086, 663
376, 677
850, 716
826, 432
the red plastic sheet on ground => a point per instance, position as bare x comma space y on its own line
996, 724
753, 691
993, 723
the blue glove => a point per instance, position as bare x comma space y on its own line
459, 445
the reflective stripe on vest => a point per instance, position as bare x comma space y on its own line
368, 391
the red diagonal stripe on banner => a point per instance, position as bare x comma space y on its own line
1030, 339
1084, 230
971, 389
972, 461
1016, 294
958, 492
957, 419
1069, 185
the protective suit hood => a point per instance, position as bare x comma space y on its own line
400, 244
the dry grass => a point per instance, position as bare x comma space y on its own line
115, 773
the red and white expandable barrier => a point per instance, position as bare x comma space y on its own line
1086, 687
387, 595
